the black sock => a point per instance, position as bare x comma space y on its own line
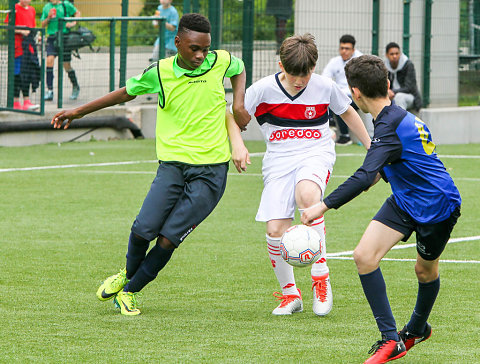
137, 248
155, 260
50, 78
427, 294
376, 292
73, 78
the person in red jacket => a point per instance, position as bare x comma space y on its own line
24, 16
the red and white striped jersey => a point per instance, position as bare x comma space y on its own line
296, 124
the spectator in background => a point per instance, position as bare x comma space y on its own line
24, 16
335, 69
51, 12
282, 11
167, 10
403, 82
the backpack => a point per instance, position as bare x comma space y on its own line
79, 38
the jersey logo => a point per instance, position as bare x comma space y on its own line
427, 143
285, 134
310, 112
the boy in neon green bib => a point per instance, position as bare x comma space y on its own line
192, 148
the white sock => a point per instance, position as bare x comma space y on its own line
319, 268
283, 270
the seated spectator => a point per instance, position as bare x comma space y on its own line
335, 69
403, 82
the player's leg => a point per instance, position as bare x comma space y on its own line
164, 193
377, 240
51, 54
71, 75
431, 241
311, 181
277, 209
202, 189
291, 300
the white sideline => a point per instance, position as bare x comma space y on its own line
346, 255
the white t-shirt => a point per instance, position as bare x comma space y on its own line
294, 127
335, 69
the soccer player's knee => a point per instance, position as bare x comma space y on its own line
363, 259
426, 273
275, 232
165, 243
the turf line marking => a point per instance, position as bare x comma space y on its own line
257, 154
340, 255
414, 260
75, 166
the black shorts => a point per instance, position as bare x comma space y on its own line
53, 51
180, 198
431, 238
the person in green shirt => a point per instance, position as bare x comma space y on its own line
51, 12
192, 149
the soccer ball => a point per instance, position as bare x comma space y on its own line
300, 246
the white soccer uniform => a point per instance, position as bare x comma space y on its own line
298, 138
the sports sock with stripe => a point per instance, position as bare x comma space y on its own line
283, 271
319, 268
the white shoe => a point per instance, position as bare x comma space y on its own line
290, 303
322, 295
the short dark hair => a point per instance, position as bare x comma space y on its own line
299, 54
194, 22
368, 74
347, 38
391, 45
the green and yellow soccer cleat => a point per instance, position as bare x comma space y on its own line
127, 303
112, 285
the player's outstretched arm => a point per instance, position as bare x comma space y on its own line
240, 155
354, 122
242, 117
313, 212
113, 98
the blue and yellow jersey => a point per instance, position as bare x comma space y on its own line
403, 151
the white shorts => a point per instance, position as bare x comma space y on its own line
278, 196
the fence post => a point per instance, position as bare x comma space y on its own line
123, 45
427, 32
406, 27
60, 39
161, 40
375, 26
247, 39
11, 53
112, 54
215, 17
196, 6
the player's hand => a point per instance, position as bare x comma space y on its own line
64, 116
71, 24
240, 158
313, 212
242, 117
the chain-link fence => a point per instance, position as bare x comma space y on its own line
430, 32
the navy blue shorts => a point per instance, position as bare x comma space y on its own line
53, 51
431, 238
180, 198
